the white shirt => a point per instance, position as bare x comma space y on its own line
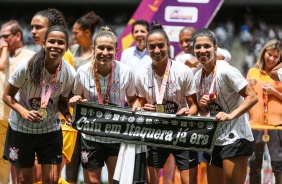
135, 58
122, 86
280, 74
179, 85
229, 81
29, 96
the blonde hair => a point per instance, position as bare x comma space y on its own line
270, 45
104, 32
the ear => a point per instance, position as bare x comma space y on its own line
43, 44
19, 36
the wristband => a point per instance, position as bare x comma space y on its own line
67, 113
23, 114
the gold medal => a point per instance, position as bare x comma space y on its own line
213, 96
43, 113
265, 138
159, 108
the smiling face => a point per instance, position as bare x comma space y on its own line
158, 47
184, 40
271, 58
39, 26
55, 45
104, 51
204, 50
139, 35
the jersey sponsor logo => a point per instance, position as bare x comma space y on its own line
14, 153
35, 103
170, 107
214, 108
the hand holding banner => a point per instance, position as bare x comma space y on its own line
155, 129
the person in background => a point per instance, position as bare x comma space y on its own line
223, 93
176, 75
276, 72
34, 123
137, 55
267, 111
12, 51
114, 82
83, 31
40, 22
186, 55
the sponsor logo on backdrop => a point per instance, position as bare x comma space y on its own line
173, 32
194, 1
181, 14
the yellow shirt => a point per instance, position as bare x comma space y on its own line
68, 57
256, 113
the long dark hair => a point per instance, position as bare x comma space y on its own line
35, 64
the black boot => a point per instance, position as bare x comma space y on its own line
277, 169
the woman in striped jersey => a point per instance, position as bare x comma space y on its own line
103, 81
37, 91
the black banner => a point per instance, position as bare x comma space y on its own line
155, 129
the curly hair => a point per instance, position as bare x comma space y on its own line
89, 21
36, 63
54, 17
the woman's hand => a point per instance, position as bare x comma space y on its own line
252, 81
76, 99
183, 112
149, 107
269, 89
32, 116
204, 101
222, 116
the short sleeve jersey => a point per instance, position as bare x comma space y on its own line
29, 95
179, 85
280, 74
229, 81
122, 86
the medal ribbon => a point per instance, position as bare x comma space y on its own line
160, 93
46, 95
212, 90
98, 85
265, 105
265, 113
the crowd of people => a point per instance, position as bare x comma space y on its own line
40, 88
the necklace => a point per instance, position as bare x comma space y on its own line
98, 86
160, 93
46, 95
212, 91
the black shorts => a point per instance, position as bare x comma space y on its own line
240, 147
20, 148
184, 159
94, 154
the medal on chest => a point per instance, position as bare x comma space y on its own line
160, 92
